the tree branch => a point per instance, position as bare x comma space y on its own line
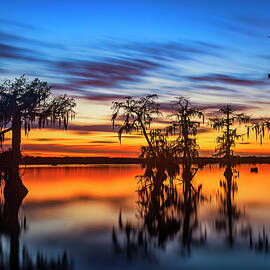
5, 131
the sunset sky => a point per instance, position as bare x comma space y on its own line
213, 52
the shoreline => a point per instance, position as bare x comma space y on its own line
28, 160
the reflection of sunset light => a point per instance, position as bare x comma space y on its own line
252, 187
89, 188
49, 183
46, 183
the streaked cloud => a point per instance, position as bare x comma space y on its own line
227, 79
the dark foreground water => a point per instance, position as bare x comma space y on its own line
74, 212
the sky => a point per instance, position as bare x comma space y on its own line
213, 52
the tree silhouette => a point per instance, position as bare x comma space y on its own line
229, 136
164, 163
185, 125
23, 102
137, 115
160, 157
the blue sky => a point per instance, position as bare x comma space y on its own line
211, 51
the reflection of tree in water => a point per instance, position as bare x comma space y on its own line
191, 197
229, 210
11, 227
164, 215
232, 216
227, 122
171, 214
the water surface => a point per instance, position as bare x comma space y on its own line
75, 210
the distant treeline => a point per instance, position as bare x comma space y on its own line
29, 160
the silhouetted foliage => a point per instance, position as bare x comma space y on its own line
159, 156
24, 102
259, 127
137, 115
165, 162
185, 125
229, 136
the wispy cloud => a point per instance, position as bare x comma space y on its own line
227, 79
114, 65
16, 53
14, 38
106, 73
8, 23
208, 108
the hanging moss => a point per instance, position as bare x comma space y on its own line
33, 102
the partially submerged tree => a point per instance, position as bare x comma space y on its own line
162, 208
186, 121
227, 140
165, 162
22, 103
137, 116
228, 123
160, 157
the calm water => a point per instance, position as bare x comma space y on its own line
76, 209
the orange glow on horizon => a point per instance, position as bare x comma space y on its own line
91, 134
101, 182
106, 144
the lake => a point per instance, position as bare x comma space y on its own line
94, 216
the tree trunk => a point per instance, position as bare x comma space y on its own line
14, 190
228, 147
16, 136
147, 138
